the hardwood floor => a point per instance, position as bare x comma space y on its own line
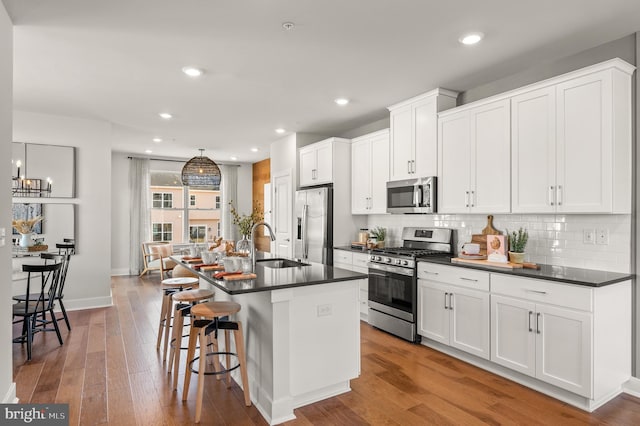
109, 372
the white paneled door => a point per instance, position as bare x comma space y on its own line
282, 211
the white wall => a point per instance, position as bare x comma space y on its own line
88, 283
120, 203
7, 387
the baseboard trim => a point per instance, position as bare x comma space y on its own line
120, 272
88, 303
10, 397
632, 387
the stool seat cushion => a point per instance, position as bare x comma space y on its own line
179, 282
193, 295
181, 271
211, 310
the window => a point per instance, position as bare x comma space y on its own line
162, 200
197, 233
162, 231
193, 214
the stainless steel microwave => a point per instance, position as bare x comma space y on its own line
412, 195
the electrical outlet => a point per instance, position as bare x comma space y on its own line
3, 232
588, 236
324, 310
602, 236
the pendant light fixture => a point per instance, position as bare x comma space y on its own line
201, 171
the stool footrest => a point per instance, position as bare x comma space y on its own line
215, 373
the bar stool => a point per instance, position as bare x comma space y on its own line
183, 302
212, 319
170, 286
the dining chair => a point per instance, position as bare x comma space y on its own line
40, 303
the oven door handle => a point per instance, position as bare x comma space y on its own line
378, 269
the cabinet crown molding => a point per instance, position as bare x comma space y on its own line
435, 92
377, 133
615, 63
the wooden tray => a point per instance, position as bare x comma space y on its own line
212, 268
507, 265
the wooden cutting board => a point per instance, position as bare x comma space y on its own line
240, 277
212, 268
489, 229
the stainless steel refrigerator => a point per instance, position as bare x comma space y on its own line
314, 225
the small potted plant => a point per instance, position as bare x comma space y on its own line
379, 234
517, 243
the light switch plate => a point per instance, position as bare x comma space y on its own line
1, 241
3, 232
588, 236
602, 236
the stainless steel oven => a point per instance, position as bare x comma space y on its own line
392, 300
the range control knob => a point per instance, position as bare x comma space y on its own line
399, 262
388, 260
372, 258
378, 258
405, 262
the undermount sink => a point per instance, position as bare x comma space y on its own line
280, 263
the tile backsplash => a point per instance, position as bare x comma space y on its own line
553, 239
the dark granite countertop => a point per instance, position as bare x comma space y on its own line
353, 249
278, 278
564, 274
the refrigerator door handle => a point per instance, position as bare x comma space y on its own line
305, 243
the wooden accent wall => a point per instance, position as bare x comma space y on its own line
261, 175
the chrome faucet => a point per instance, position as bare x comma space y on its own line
253, 242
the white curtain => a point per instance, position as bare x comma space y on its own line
139, 184
229, 189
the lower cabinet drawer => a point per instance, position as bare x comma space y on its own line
463, 277
342, 256
551, 292
364, 302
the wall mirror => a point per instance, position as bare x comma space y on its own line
58, 223
42, 170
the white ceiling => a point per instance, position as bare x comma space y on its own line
120, 61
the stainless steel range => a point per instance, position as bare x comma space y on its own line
393, 280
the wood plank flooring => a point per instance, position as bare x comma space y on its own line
109, 372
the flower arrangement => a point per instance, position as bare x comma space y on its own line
25, 226
518, 240
246, 222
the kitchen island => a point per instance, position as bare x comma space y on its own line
302, 332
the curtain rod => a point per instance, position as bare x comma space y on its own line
179, 161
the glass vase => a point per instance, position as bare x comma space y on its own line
244, 245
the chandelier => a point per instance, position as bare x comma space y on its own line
201, 171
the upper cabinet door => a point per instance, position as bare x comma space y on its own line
490, 190
584, 144
324, 160
454, 147
379, 174
361, 176
401, 143
425, 129
533, 156
308, 166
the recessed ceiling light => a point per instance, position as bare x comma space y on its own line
254, 149
157, 140
234, 158
148, 151
166, 115
288, 26
192, 72
471, 38
342, 101
280, 130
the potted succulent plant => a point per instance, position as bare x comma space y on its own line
379, 234
517, 243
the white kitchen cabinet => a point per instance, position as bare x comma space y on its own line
474, 149
357, 262
316, 163
370, 173
455, 315
413, 146
571, 142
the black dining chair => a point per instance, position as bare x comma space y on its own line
38, 304
65, 258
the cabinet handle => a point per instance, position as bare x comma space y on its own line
551, 195
535, 291
445, 300
473, 198
530, 329
468, 279
559, 195
413, 166
408, 167
538, 322
451, 301
466, 198
429, 272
